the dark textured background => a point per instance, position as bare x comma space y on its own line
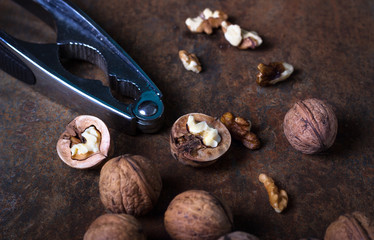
330, 43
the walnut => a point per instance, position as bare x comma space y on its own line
206, 21
190, 61
354, 226
197, 214
85, 143
129, 184
189, 148
115, 227
238, 236
239, 37
310, 126
240, 129
278, 198
273, 72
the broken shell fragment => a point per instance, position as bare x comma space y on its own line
273, 72
85, 143
188, 147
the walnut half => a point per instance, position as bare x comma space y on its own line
85, 143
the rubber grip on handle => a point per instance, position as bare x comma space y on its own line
15, 67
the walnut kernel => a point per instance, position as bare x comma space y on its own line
273, 72
278, 198
240, 129
190, 61
239, 37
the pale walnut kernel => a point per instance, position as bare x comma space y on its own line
239, 37
278, 199
190, 61
210, 135
90, 145
206, 21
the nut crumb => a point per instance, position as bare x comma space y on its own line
190, 61
278, 199
273, 72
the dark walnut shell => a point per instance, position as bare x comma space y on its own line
74, 130
189, 149
238, 236
310, 126
353, 226
196, 215
129, 184
115, 227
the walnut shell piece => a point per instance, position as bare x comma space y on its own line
115, 227
197, 214
354, 226
73, 135
189, 149
310, 126
238, 236
129, 184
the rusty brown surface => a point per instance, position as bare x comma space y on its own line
330, 44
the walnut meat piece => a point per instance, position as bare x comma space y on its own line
278, 198
206, 21
355, 226
239, 37
238, 236
129, 184
81, 131
310, 126
189, 149
190, 61
240, 129
199, 215
273, 72
115, 227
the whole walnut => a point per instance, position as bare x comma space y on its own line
115, 227
238, 236
310, 126
355, 226
197, 214
129, 184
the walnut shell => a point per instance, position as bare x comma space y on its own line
310, 126
115, 227
189, 149
196, 214
129, 184
353, 226
74, 129
238, 236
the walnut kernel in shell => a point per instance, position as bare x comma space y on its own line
197, 214
129, 184
73, 133
189, 149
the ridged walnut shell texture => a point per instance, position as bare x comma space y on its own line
198, 215
129, 184
310, 126
238, 236
115, 227
74, 129
189, 149
355, 226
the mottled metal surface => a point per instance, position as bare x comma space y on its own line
330, 44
